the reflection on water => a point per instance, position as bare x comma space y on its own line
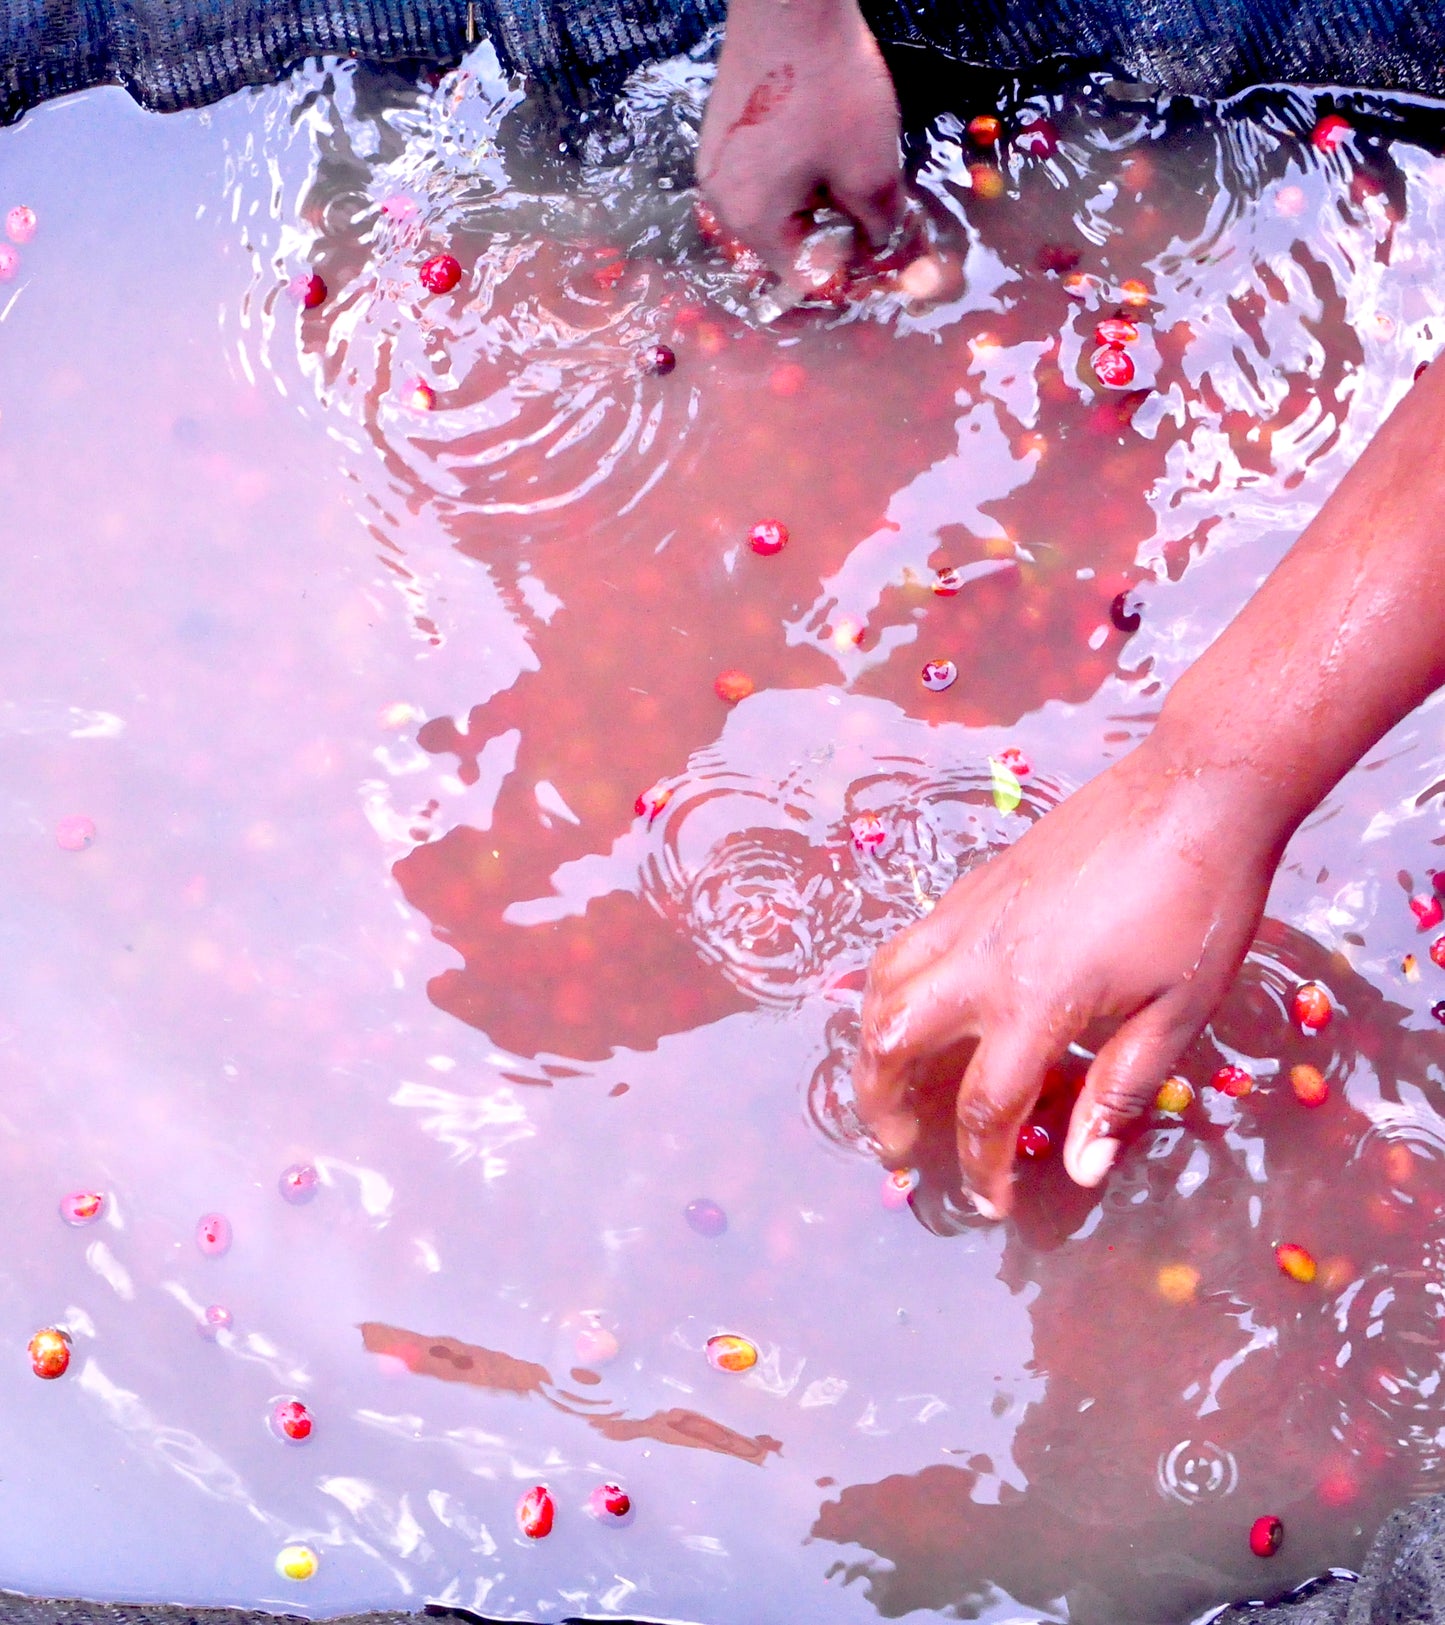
367, 887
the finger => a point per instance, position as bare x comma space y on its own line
877, 212
905, 1023
1121, 1085
997, 1093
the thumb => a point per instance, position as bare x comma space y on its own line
1121, 1086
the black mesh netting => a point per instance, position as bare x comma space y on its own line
172, 54
181, 53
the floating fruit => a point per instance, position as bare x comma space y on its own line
609, 1501
658, 359
1113, 367
297, 1563
1331, 133
1295, 1262
1437, 951
50, 1353
651, 802
423, 397
1311, 1007
1177, 1283
898, 1188
1015, 761
1427, 911
291, 1420
82, 1207
308, 290
1037, 139
706, 1217
1265, 1535
869, 832
1116, 331
535, 1512
1233, 1081
299, 1183
767, 537
732, 686
1035, 1142
984, 130
594, 1345
729, 1352
939, 674
1438, 1011
1133, 292
20, 223
1309, 1085
74, 833
986, 181
948, 583
1175, 1095
440, 274
213, 1234
215, 1317
1409, 968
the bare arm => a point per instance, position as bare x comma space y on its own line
802, 113
1137, 898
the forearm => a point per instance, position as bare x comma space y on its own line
1344, 639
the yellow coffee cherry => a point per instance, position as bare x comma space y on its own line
297, 1563
1175, 1095
1177, 1283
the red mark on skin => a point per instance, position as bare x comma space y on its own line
767, 97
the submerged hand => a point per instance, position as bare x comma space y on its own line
1132, 902
802, 113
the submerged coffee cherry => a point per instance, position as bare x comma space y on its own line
732, 686
20, 223
1037, 139
1124, 612
594, 1345
1295, 1262
706, 1217
1035, 1142
290, 1420
658, 359
215, 1317
299, 1183
1113, 367
308, 290
938, 675
898, 1189
1115, 331
1311, 1008
75, 832
1437, 951
1265, 1536
213, 1234
986, 181
609, 1503
1175, 1095
729, 1352
9, 262
984, 130
1177, 1283
869, 832
82, 1207
1233, 1081
440, 274
1331, 133
1427, 911
535, 1512
767, 537
1309, 1085
50, 1353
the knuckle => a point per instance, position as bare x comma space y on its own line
979, 1119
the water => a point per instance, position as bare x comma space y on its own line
359, 698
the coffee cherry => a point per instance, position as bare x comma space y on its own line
290, 1420
869, 832
651, 802
1265, 1535
1113, 367
1295, 1262
706, 1217
1177, 1283
1309, 1085
1427, 911
595, 1345
1057, 258
733, 686
308, 290
984, 130
1015, 761
535, 1513
767, 537
50, 1353
1133, 292
299, 1183
938, 675
609, 1501
1438, 1011
948, 583
297, 1563
986, 182
1175, 1095
213, 1234
729, 1352
215, 1317
1233, 1081
1437, 952
1311, 1008
1037, 139
1331, 133
440, 274
20, 224
9, 262
74, 833
423, 397
1035, 1142
82, 1207
659, 360
1124, 612
1115, 331
898, 1189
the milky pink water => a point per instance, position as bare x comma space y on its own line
359, 696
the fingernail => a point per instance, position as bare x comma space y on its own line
1094, 1161
986, 1208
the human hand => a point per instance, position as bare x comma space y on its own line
1133, 902
802, 114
